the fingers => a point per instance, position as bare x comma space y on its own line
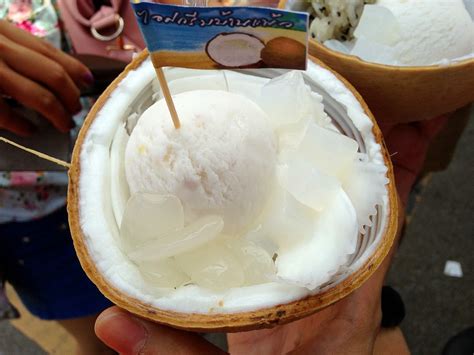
127, 334
41, 69
12, 122
78, 72
36, 97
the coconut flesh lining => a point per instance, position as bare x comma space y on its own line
102, 174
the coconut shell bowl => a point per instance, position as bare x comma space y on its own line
94, 230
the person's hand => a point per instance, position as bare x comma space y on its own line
40, 77
408, 144
349, 326
130, 335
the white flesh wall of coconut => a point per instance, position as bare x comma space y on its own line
311, 232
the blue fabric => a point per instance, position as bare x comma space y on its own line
39, 260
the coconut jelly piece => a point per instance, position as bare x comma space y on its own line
148, 217
194, 235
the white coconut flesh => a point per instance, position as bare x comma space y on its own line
222, 49
305, 193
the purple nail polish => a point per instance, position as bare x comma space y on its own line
88, 78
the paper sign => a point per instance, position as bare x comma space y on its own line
223, 37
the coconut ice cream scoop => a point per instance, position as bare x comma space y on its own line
218, 162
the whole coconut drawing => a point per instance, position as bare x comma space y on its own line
283, 52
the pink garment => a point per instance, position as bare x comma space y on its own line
27, 178
79, 16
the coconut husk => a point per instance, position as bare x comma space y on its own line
402, 94
262, 318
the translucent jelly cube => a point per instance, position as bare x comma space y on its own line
257, 264
287, 220
378, 24
286, 99
177, 242
331, 152
148, 217
212, 266
163, 273
308, 184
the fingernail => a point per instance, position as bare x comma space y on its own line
88, 78
122, 332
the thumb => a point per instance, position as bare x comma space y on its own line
130, 335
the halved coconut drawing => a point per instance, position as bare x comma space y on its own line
273, 200
235, 50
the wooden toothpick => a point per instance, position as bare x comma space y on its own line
165, 88
35, 152
167, 95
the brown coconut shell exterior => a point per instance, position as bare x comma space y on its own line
402, 94
262, 318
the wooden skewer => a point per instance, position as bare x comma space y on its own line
165, 89
38, 154
168, 98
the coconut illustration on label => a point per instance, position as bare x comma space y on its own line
235, 50
244, 50
274, 199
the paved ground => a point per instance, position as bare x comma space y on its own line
12, 342
442, 228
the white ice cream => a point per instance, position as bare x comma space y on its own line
412, 32
218, 162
